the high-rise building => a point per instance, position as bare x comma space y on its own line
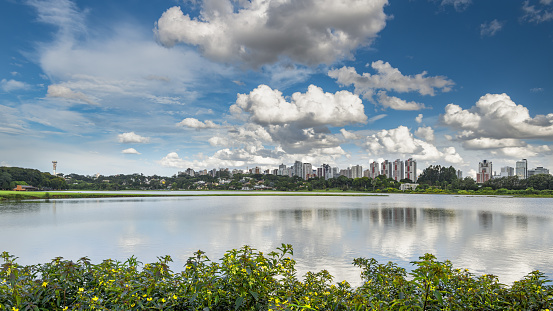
298, 169
356, 171
367, 173
307, 171
374, 170
484, 171
538, 170
386, 169
459, 174
411, 169
522, 169
397, 170
327, 171
507, 171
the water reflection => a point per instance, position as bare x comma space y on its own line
509, 237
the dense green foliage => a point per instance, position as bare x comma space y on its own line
434, 179
246, 279
10, 177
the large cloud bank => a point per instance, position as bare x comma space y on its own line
496, 122
262, 32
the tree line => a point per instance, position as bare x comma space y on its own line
432, 178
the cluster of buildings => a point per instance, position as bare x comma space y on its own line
396, 170
521, 170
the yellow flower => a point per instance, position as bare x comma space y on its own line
175, 297
95, 298
44, 284
64, 309
149, 299
163, 300
81, 289
132, 305
15, 309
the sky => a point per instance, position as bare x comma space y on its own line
156, 87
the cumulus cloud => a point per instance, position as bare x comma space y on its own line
426, 133
537, 13
197, 124
12, 85
401, 141
397, 103
131, 137
419, 118
263, 32
130, 151
526, 152
491, 143
390, 79
61, 91
314, 108
497, 116
489, 29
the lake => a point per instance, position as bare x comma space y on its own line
505, 236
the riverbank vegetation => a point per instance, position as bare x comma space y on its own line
434, 179
247, 279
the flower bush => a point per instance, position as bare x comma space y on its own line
246, 279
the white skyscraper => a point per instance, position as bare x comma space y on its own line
397, 170
374, 170
411, 169
307, 171
386, 169
356, 171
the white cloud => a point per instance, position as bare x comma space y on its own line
130, 151
61, 91
349, 135
491, 143
526, 152
491, 28
419, 118
497, 116
426, 133
264, 32
197, 124
401, 141
536, 90
459, 5
314, 108
397, 103
537, 14
390, 79
131, 137
376, 118
12, 85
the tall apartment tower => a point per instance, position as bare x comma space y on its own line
386, 169
298, 169
356, 171
307, 171
484, 171
459, 174
507, 171
327, 171
373, 170
397, 170
521, 169
411, 169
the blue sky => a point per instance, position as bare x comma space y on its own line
155, 87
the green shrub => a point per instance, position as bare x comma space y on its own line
246, 279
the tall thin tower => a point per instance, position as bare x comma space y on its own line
55, 164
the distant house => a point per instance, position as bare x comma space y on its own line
25, 188
408, 186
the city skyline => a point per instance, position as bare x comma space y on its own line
157, 87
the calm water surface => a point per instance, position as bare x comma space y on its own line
505, 236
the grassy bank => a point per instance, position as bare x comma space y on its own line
246, 279
33, 195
